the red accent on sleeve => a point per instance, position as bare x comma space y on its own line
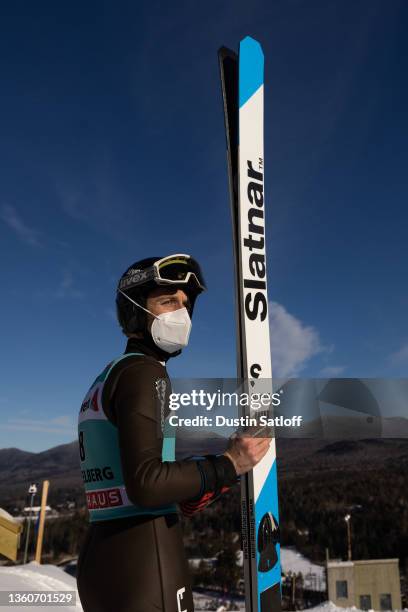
189, 508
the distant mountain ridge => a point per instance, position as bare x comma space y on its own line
60, 464
18, 468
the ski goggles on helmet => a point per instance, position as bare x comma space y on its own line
179, 269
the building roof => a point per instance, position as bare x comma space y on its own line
360, 562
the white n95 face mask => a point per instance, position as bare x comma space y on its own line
170, 330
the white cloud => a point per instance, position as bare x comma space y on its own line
400, 356
74, 204
27, 234
97, 200
38, 428
293, 343
64, 419
332, 371
110, 312
61, 424
66, 288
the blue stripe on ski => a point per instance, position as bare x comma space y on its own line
251, 68
264, 504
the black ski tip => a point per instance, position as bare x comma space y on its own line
224, 52
271, 599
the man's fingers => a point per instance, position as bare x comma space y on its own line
254, 442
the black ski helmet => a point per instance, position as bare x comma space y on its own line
179, 271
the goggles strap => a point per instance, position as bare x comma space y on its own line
136, 304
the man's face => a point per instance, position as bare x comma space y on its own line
166, 299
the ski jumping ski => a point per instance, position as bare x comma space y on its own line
242, 81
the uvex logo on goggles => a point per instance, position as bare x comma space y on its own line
136, 278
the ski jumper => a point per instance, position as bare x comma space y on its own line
132, 558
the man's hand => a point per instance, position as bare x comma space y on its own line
246, 452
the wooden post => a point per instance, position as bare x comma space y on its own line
42, 520
327, 572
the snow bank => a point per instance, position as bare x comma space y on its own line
314, 575
35, 577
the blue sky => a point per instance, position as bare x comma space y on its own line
112, 149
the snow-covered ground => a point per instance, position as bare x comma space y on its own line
35, 577
314, 576
329, 606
